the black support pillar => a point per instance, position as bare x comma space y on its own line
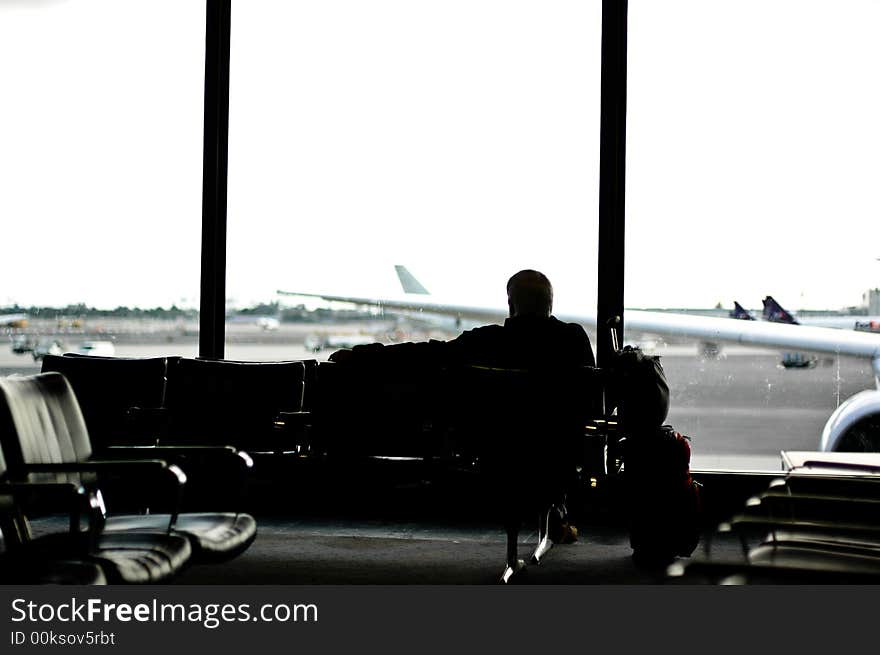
612, 174
212, 305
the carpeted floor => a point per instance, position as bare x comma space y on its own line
324, 552
358, 551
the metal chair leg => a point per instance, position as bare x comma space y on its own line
513, 565
544, 541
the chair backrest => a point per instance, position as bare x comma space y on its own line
553, 395
223, 402
107, 388
524, 417
311, 389
374, 408
41, 422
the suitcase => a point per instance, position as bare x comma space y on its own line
664, 500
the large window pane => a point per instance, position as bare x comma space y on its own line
751, 171
100, 169
457, 138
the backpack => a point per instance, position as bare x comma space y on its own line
637, 387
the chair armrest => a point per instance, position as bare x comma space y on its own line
295, 425
213, 453
133, 466
155, 415
73, 499
126, 470
200, 457
293, 419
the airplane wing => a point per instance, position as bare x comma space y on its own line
422, 303
799, 338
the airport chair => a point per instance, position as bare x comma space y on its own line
43, 432
123, 399
231, 403
115, 395
781, 518
789, 536
527, 427
814, 569
73, 556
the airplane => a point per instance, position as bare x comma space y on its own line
740, 313
706, 329
13, 320
776, 313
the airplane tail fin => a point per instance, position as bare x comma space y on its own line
740, 312
408, 281
775, 313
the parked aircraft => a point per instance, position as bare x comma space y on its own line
769, 334
740, 313
776, 313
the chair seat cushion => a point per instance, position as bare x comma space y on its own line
139, 557
817, 559
213, 535
830, 540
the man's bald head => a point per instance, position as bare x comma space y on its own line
529, 293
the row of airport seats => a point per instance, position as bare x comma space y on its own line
183, 401
297, 411
820, 523
273, 408
48, 465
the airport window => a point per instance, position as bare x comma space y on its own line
101, 126
751, 169
457, 139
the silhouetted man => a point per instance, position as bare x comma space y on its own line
530, 338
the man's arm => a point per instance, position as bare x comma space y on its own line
410, 353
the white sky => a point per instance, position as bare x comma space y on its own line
459, 138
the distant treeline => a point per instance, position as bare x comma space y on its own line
298, 314
81, 310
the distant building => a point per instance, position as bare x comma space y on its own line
871, 299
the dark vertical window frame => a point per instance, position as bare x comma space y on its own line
212, 303
612, 177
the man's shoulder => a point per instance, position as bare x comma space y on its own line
574, 328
